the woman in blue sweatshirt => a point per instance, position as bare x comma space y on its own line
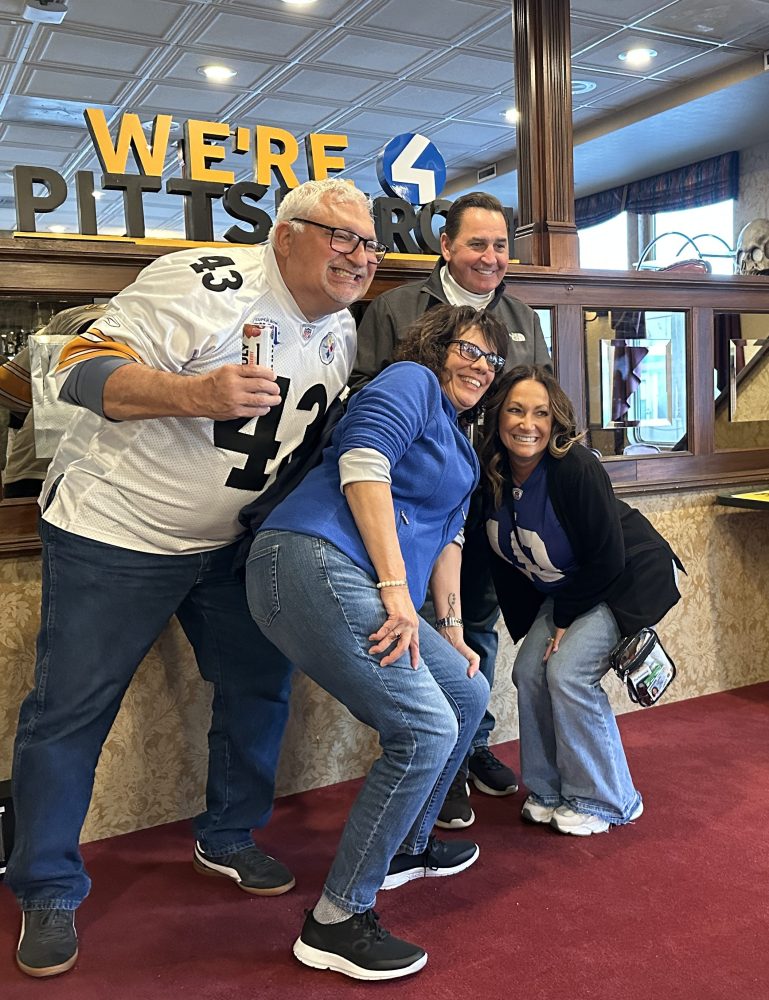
334, 579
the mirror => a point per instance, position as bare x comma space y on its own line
22, 471
636, 380
741, 380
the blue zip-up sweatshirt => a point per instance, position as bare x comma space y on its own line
403, 414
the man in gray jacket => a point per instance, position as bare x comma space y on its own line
474, 257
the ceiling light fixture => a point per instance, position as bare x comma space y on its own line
217, 73
638, 57
57, 228
299, 3
579, 87
511, 115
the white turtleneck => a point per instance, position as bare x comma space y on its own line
459, 296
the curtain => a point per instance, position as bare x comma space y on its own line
703, 183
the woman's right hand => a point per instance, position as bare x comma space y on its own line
400, 631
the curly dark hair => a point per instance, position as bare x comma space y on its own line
427, 341
495, 464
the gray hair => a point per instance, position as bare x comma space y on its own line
303, 200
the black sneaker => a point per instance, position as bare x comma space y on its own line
252, 869
490, 775
456, 811
357, 947
48, 942
442, 857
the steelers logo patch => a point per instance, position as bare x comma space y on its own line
327, 348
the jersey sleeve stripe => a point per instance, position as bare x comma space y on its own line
85, 348
15, 387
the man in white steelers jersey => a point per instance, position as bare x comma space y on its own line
140, 521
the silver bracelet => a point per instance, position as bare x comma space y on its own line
449, 623
391, 583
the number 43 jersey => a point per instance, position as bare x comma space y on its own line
176, 484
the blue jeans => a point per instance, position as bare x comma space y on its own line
319, 608
103, 607
571, 751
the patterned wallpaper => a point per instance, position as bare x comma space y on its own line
753, 202
153, 766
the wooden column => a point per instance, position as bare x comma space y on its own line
547, 233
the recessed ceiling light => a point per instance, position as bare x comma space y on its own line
511, 115
175, 126
299, 3
638, 56
218, 73
582, 87
57, 228
98, 194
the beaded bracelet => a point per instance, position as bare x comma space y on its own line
449, 622
391, 583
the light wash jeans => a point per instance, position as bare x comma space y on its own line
103, 607
319, 609
571, 751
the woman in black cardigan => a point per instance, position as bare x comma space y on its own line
575, 570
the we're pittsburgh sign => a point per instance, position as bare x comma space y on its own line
404, 220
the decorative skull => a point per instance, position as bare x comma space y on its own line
752, 254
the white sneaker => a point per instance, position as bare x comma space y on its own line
533, 812
566, 820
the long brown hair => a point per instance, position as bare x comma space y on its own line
495, 463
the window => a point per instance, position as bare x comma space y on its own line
710, 228
604, 247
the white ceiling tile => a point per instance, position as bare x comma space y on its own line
627, 11
71, 86
431, 100
8, 35
380, 123
344, 88
195, 101
422, 19
35, 136
714, 22
465, 134
151, 18
68, 48
385, 56
286, 113
238, 32
482, 72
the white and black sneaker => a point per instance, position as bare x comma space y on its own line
48, 942
252, 870
440, 858
357, 947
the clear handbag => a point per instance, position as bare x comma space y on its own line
644, 666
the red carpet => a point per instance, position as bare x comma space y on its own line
675, 906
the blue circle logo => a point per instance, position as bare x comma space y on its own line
411, 167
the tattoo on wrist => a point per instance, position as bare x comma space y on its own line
452, 605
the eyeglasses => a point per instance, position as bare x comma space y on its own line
343, 241
471, 352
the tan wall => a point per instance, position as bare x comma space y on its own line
153, 766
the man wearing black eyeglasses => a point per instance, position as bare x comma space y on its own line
474, 258
206, 385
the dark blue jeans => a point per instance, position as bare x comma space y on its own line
103, 608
